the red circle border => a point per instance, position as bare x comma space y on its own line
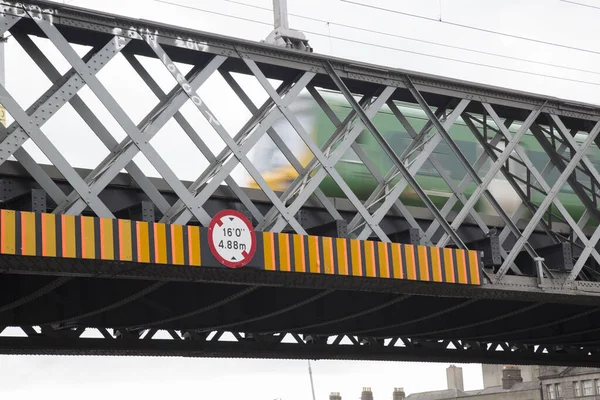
211, 226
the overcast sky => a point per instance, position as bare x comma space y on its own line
449, 41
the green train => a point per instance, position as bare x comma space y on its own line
278, 173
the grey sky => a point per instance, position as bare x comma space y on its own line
552, 21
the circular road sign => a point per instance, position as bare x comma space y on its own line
231, 238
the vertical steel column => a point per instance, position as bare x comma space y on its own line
280, 14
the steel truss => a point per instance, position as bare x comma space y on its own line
287, 345
486, 111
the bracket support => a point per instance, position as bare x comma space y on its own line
282, 35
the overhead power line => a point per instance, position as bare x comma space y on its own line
539, 41
581, 4
402, 50
418, 40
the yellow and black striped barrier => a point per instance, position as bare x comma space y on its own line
66, 236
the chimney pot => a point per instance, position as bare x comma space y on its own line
366, 394
454, 377
510, 375
398, 394
335, 396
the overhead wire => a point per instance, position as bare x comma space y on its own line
475, 28
487, 53
389, 47
580, 4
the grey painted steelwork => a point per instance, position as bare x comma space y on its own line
327, 317
226, 343
282, 35
366, 88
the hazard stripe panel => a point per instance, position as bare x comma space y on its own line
298, 253
67, 236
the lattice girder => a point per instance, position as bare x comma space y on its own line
365, 91
539, 177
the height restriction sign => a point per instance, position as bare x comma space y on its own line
231, 238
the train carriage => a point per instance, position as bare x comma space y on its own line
278, 172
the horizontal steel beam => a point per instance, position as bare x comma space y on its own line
248, 345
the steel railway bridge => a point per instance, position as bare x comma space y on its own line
126, 256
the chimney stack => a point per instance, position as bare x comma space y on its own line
366, 394
454, 376
398, 394
510, 376
335, 396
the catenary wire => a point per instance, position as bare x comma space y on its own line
564, 46
389, 47
580, 4
411, 38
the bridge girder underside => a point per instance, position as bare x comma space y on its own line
559, 329
221, 313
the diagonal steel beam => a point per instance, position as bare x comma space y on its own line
589, 166
401, 208
482, 183
194, 137
373, 222
490, 152
590, 248
481, 160
321, 158
313, 169
307, 182
560, 165
531, 168
150, 125
42, 110
408, 173
576, 228
482, 188
116, 161
46, 146
191, 133
382, 189
217, 126
279, 142
7, 20
261, 120
456, 190
490, 149
523, 207
246, 139
546, 202
92, 121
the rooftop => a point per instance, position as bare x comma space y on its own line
455, 393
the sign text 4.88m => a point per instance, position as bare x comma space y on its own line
231, 238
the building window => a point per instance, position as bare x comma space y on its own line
577, 389
558, 391
550, 392
598, 386
588, 388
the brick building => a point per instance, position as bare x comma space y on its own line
509, 383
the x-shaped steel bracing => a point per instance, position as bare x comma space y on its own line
369, 214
